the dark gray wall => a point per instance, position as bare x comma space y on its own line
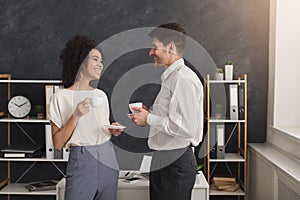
33, 32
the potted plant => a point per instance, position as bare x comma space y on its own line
218, 111
39, 111
219, 74
229, 70
229, 62
199, 168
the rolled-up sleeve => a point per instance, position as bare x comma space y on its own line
54, 112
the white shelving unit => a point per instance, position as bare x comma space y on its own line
31, 81
239, 192
212, 120
42, 159
230, 157
19, 189
6, 187
238, 157
26, 120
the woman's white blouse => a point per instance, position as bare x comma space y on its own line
89, 130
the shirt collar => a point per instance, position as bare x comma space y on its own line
172, 68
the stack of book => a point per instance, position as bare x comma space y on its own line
49, 91
225, 183
42, 185
21, 151
2, 114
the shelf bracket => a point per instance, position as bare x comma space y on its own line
213, 169
58, 169
231, 134
28, 136
4, 182
228, 168
25, 172
215, 166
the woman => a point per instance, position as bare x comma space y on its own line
92, 171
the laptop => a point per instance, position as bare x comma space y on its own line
22, 151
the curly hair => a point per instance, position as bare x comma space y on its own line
73, 56
171, 32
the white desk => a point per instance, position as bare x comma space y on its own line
139, 190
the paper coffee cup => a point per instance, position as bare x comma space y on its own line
96, 102
136, 104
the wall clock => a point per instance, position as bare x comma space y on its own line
19, 106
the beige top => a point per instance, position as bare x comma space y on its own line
177, 117
89, 130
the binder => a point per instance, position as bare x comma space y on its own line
51, 152
49, 143
57, 88
66, 153
213, 141
220, 129
49, 91
241, 103
58, 154
233, 89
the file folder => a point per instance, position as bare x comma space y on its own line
241, 103
51, 152
213, 141
233, 89
220, 129
49, 143
66, 153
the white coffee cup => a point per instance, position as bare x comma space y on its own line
136, 104
96, 102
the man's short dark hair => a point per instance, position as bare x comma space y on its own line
170, 32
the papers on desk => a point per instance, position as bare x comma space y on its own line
145, 166
130, 180
127, 174
142, 174
130, 176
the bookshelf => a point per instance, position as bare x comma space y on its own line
19, 189
234, 161
7, 187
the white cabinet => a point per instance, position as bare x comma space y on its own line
139, 190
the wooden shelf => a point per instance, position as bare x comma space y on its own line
225, 121
42, 159
32, 81
19, 189
230, 157
225, 81
239, 192
25, 120
239, 133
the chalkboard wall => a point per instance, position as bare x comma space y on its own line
33, 32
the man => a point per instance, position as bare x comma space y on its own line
176, 122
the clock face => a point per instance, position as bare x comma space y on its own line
19, 106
